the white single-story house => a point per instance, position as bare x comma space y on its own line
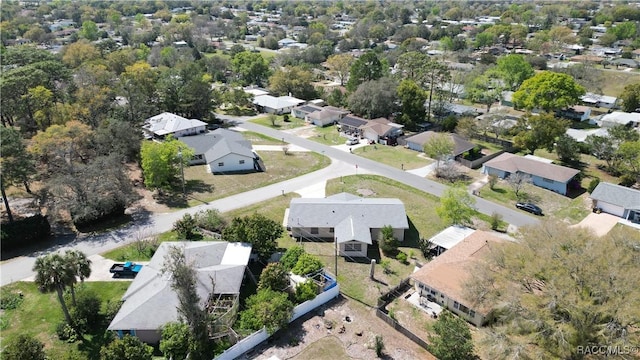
381, 130
167, 123
223, 151
327, 116
150, 302
617, 200
619, 118
547, 176
256, 91
456, 109
276, 105
591, 99
302, 111
351, 221
461, 146
443, 279
580, 135
576, 112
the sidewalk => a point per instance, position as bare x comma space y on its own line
477, 185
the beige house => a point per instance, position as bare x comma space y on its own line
443, 279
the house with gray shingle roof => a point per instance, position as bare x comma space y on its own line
149, 303
548, 176
223, 151
617, 200
351, 221
461, 146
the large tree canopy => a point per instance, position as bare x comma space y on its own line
251, 68
548, 91
373, 99
539, 131
514, 70
631, 97
368, 67
555, 292
258, 230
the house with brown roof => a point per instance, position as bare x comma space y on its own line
548, 176
381, 130
326, 116
461, 146
444, 279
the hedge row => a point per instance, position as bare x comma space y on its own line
24, 232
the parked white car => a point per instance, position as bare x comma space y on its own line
352, 141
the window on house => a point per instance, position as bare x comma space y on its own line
331, 230
433, 292
547, 180
352, 247
220, 164
472, 313
314, 231
198, 157
464, 309
241, 161
456, 305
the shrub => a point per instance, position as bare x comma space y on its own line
402, 257
86, 313
66, 333
10, 300
386, 266
592, 185
379, 345
24, 232
111, 309
388, 244
210, 220
496, 219
307, 264
290, 257
627, 180
493, 180
186, 227
306, 291
24, 347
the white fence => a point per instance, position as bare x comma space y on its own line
257, 337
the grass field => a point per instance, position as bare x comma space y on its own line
328, 135
203, 187
260, 139
39, 314
617, 80
396, 156
280, 124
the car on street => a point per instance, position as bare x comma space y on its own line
532, 208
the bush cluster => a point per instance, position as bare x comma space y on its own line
24, 232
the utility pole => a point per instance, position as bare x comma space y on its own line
184, 191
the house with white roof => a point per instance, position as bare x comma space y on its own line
167, 123
351, 221
276, 105
448, 238
150, 302
223, 151
619, 118
597, 100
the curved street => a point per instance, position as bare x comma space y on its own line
342, 164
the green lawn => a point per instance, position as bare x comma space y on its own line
396, 156
39, 314
617, 80
328, 135
557, 206
132, 252
203, 187
260, 139
280, 124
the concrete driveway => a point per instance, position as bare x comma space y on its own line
600, 224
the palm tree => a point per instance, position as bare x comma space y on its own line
54, 274
80, 266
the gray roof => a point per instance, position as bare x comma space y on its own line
219, 143
150, 302
353, 121
333, 211
617, 195
168, 123
460, 145
513, 163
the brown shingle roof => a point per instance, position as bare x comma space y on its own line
449, 272
514, 163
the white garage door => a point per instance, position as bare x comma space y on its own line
611, 209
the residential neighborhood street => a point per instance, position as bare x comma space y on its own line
343, 164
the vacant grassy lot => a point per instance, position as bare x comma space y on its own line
617, 80
396, 156
560, 207
203, 187
39, 314
280, 124
260, 139
328, 135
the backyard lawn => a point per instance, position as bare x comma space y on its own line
203, 187
396, 156
39, 314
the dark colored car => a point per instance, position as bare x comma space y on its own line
534, 209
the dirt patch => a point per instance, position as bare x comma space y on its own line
365, 192
146, 202
354, 325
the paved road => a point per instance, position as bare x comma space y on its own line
343, 163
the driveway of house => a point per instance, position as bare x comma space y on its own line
600, 224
